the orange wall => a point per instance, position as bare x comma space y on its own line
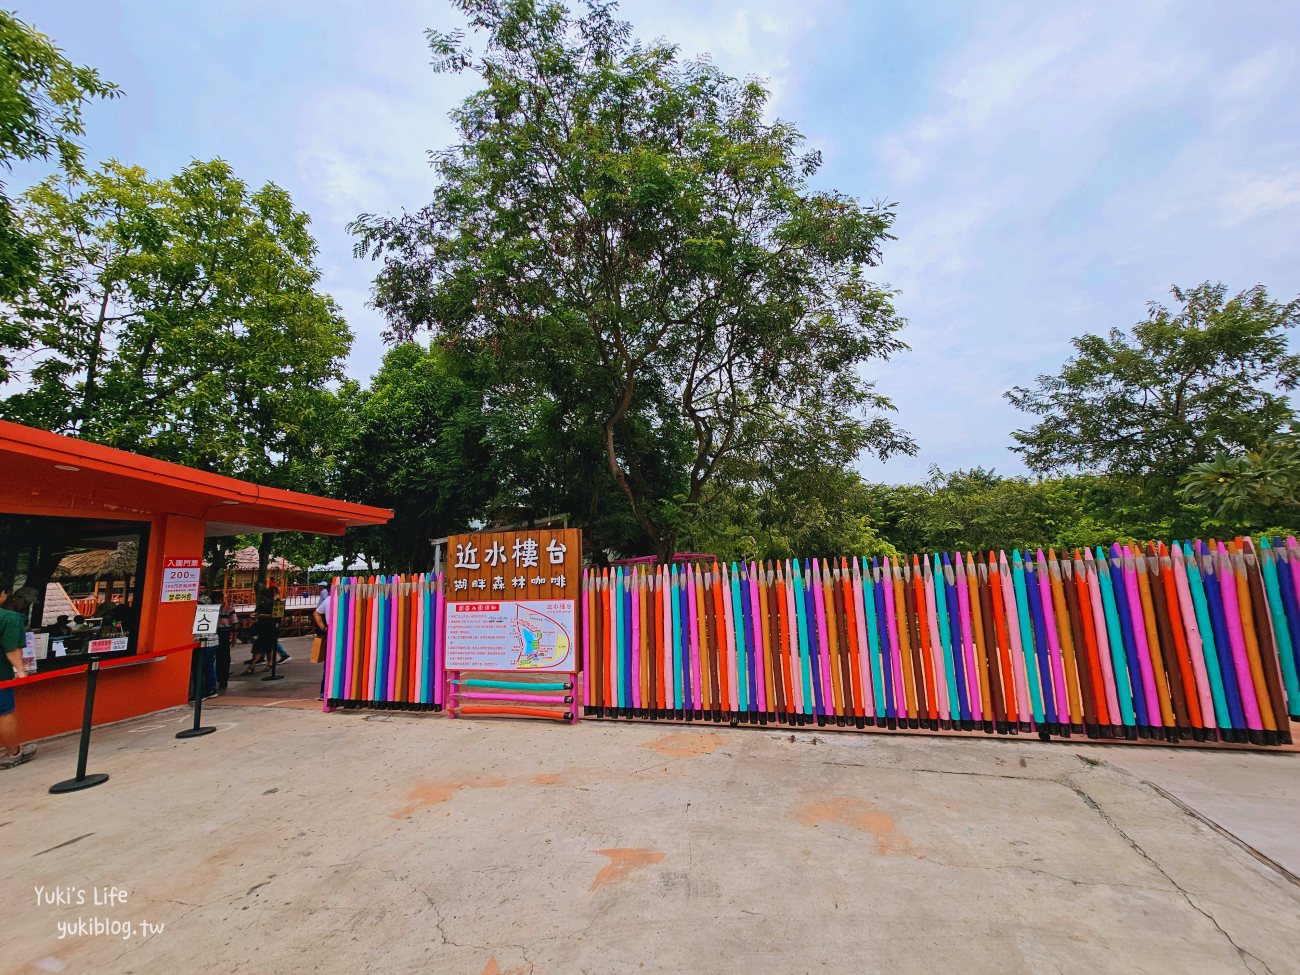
55, 706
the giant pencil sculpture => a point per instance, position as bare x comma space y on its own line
1183, 642
384, 643
1194, 641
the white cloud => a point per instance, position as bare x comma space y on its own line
754, 39
1063, 169
1251, 195
1253, 75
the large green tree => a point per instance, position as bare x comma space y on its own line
415, 441
632, 237
1207, 376
42, 95
179, 318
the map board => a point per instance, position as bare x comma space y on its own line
522, 635
512, 600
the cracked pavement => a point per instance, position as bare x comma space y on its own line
293, 840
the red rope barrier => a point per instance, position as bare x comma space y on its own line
104, 665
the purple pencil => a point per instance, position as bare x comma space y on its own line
1154, 717
760, 639
972, 672
634, 592
1053, 640
819, 604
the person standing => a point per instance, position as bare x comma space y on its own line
13, 637
227, 621
265, 631
320, 623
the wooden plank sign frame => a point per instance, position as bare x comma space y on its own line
512, 601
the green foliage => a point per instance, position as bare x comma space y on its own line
1256, 489
822, 512
1148, 404
977, 510
415, 442
41, 98
179, 318
640, 253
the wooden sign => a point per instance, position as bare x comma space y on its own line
512, 601
514, 565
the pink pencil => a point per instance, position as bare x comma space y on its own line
895, 651
586, 637
1140, 637
693, 610
1293, 552
867, 694
439, 642
963, 610
372, 644
1103, 638
733, 680
1237, 638
1013, 634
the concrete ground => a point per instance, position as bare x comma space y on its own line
294, 840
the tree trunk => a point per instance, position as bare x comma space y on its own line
615, 468
92, 366
263, 558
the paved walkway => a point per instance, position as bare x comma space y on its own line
294, 840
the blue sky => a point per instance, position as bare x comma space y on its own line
1055, 166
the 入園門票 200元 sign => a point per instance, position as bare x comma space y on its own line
180, 581
511, 600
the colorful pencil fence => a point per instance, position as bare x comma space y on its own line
1191, 641
384, 644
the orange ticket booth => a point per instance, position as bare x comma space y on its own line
69, 508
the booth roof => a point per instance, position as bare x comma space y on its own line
46, 473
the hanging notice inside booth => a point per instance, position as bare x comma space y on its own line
512, 600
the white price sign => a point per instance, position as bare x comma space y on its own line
180, 582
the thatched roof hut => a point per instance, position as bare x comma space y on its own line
245, 560
120, 562
57, 603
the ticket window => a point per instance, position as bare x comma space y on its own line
86, 575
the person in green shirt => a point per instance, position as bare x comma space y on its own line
13, 637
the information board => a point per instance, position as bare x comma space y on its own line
180, 581
521, 635
512, 600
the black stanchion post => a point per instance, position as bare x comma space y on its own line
82, 780
196, 681
275, 658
